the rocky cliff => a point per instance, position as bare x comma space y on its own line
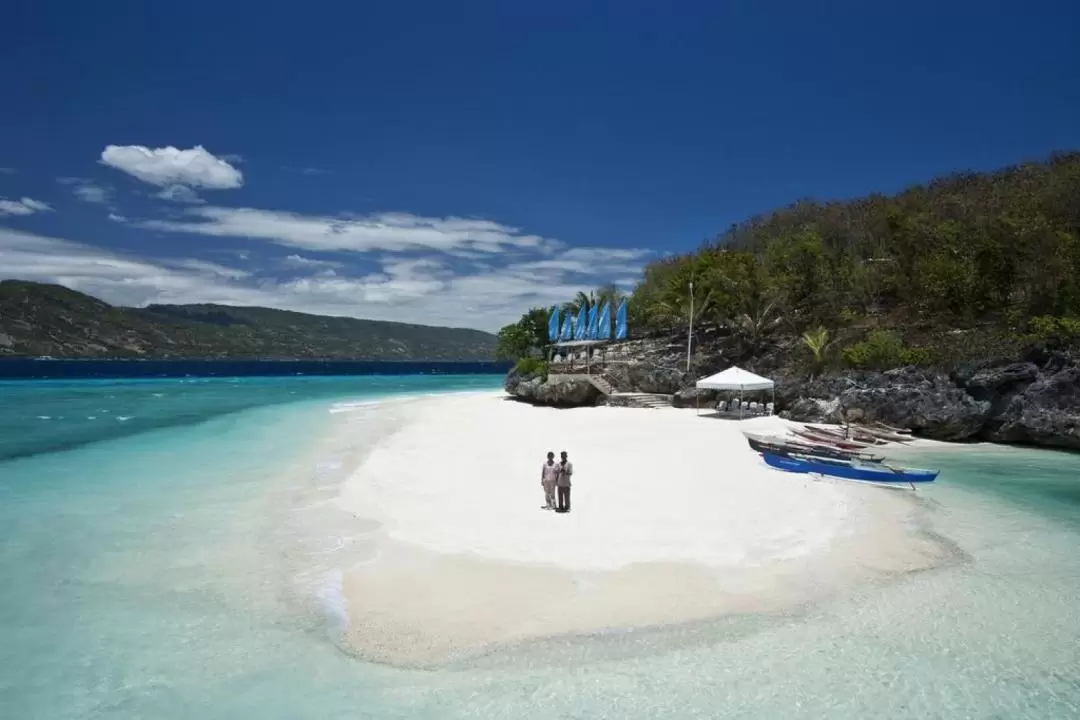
1033, 400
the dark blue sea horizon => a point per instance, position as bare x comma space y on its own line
73, 368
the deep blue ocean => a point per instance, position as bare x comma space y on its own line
168, 545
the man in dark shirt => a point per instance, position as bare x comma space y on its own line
562, 484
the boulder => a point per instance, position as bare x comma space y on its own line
813, 410
556, 392
942, 413
995, 382
1046, 412
644, 377
692, 397
926, 402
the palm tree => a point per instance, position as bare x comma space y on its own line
579, 301
611, 294
817, 342
754, 325
675, 299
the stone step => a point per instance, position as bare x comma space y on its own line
601, 384
598, 382
639, 400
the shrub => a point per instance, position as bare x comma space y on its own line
915, 356
531, 366
1054, 330
883, 350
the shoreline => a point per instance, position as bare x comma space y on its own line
462, 561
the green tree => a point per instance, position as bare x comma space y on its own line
513, 342
527, 337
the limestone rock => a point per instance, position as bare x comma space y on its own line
554, 391
692, 397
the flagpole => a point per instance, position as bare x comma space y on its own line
690, 334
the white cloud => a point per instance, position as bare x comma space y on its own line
180, 194
25, 206
86, 190
113, 277
91, 194
407, 288
7, 171
117, 218
383, 231
207, 268
299, 261
194, 168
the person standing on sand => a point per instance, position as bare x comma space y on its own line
549, 473
566, 469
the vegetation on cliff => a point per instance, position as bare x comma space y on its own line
51, 320
967, 267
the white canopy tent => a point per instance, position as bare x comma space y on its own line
735, 378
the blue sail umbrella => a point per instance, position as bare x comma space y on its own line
604, 323
594, 323
567, 328
553, 324
620, 322
581, 326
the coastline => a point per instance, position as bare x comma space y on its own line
674, 520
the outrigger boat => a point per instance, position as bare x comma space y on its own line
848, 433
862, 433
829, 439
786, 446
879, 473
887, 435
889, 428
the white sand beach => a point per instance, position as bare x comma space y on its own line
673, 519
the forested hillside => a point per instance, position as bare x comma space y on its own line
38, 319
964, 267
996, 251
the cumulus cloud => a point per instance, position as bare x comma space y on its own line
417, 288
383, 231
86, 189
24, 206
170, 166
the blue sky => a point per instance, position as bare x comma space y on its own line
456, 163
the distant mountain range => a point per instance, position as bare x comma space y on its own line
51, 320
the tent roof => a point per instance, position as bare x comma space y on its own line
735, 378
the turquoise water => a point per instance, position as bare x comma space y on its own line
180, 564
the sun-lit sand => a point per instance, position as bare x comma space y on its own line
673, 519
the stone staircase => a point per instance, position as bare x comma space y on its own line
601, 384
598, 382
617, 399
639, 400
